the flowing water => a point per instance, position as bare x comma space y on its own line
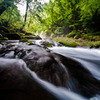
59, 92
89, 59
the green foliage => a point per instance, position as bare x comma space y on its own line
58, 30
80, 15
10, 19
71, 34
75, 18
75, 34
90, 14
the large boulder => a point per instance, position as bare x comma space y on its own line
46, 65
18, 83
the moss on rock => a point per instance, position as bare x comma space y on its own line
69, 44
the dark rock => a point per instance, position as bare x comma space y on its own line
44, 63
0, 45
18, 83
47, 66
12, 36
80, 80
46, 44
32, 37
1, 36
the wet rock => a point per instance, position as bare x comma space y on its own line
12, 36
48, 66
1, 35
46, 44
49, 43
18, 83
35, 37
44, 63
81, 81
0, 46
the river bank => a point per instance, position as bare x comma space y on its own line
72, 42
25, 36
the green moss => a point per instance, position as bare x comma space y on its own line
29, 42
31, 37
69, 44
4, 38
25, 40
75, 34
87, 37
95, 44
71, 34
20, 34
46, 44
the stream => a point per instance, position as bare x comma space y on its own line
53, 73
88, 58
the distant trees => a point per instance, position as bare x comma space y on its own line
90, 14
59, 16
10, 17
4, 4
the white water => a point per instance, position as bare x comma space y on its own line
89, 58
59, 92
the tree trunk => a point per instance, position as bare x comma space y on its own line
26, 12
25, 19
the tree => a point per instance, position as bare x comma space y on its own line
90, 16
5, 4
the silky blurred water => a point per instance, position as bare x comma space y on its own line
89, 59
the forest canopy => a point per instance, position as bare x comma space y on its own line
58, 17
